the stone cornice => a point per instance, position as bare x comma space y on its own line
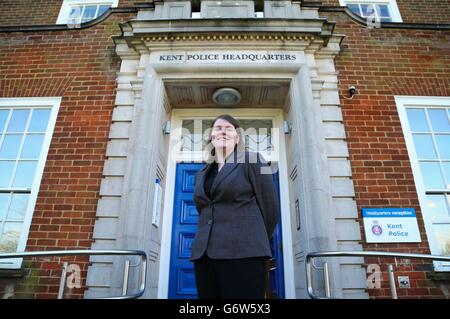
320, 27
295, 34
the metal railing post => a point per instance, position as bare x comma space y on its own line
309, 278
125, 278
326, 276
143, 274
62, 281
392, 281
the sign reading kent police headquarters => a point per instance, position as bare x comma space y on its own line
228, 57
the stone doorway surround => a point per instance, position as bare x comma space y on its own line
318, 165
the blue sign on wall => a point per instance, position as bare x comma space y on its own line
391, 225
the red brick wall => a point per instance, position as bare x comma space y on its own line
382, 63
424, 11
80, 66
35, 12
417, 11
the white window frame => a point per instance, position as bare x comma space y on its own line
53, 103
392, 4
404, 102
64, 12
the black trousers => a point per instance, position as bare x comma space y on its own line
230, 278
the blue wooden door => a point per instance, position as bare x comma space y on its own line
181, 275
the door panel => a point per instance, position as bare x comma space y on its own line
181, 276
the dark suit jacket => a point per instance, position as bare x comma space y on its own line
243, 212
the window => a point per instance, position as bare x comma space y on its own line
81, 11
26, 127
426, 126
260, 133
257, 134
382, 10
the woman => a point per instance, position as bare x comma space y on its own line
238, 210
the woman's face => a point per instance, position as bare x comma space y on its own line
224, 135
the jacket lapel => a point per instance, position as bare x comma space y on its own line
202, 176
230, 164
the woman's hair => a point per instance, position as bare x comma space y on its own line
240, 146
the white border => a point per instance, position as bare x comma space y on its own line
417, 101
393, 8
242, 113
65, 7
54, 103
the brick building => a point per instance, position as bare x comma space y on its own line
103, 104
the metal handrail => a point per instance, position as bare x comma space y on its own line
312, 255
140, 253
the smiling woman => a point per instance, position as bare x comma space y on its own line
235, 224
225, 137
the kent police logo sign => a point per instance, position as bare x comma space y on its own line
391, 225
376, 229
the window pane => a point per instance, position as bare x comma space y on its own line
432, 176
32, 146
18, 207
75, 12
385, 19
446, 166
89, 13
3, 118
424, 146
4, 200
39, 120
10, 146
101, 10
443, 144
354, 8
439, 120
6, 169
367, 10
18, 121
442, 233
258, 135
194, 134
10, 237
24, 174
437, 206
383, 10
417, 120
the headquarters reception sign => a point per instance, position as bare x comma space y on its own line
390, 225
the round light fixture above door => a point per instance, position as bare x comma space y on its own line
226, 97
